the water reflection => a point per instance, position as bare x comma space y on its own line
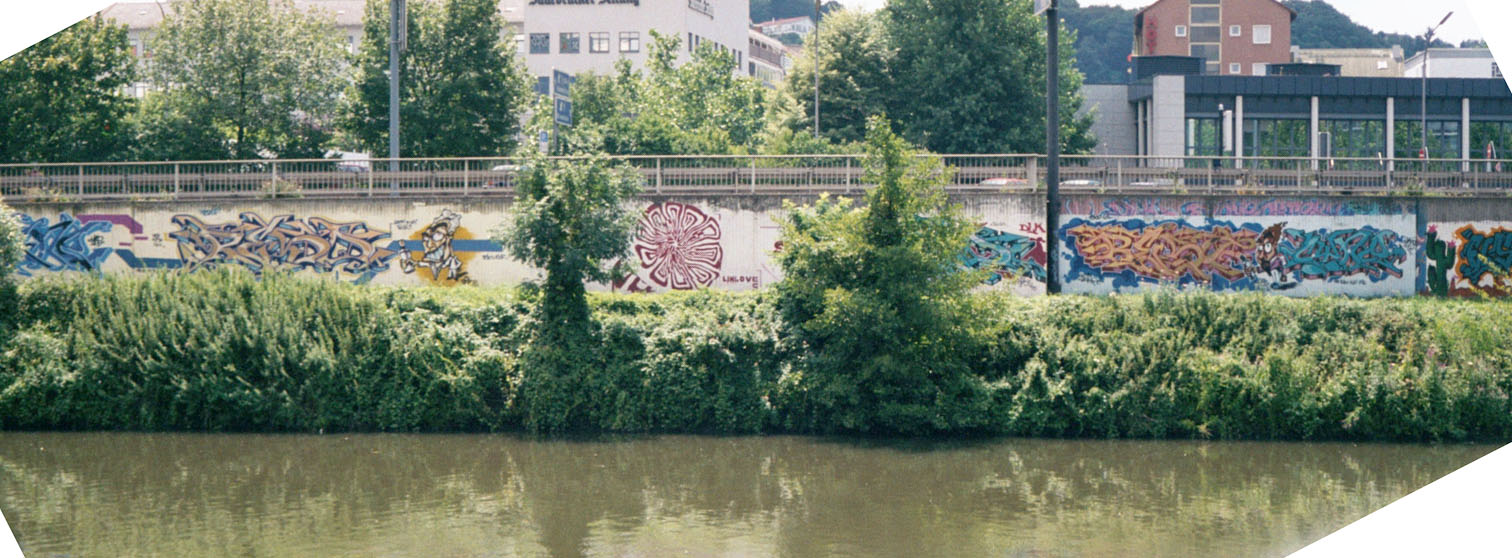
431, 495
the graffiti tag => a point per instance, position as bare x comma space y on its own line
259, 244
1482, 254
1324, 254
61, 246
1166, 251
1008, 256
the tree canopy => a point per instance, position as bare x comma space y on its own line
65, 97
700, 106
262, 78
462, 89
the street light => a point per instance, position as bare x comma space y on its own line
1427, 45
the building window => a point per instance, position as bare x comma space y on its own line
540, 43
1262, 34
1203, 137
1258, 69
630, 41
570, 43
1236, 30
1234, 68
598, 42
1181, 31
1206, 34
1204, 15
1277, 138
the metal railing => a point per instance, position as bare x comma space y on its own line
745, 174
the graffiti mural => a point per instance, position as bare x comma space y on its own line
1484, 260
678, 247
1130, 252
1322, 254
1008, 256
66, 245
1229, 256
437, 254
282, 242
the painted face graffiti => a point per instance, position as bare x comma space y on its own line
438, 255
1268, 259
282, 242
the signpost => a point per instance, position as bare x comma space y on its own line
561, 96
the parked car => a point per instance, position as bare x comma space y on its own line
510, 176
1005, 182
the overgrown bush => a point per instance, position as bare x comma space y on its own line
875, 306
224, 351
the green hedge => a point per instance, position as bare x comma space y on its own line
225, 351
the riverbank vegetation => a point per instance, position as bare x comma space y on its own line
224, 351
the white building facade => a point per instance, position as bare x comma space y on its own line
581, 36
1453, 63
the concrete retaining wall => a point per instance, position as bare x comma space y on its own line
1296, 246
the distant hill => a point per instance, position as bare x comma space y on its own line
1319, 25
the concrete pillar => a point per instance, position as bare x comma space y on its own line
1139, 129
1391, 133
1239, 131
1313, 130
1465, 134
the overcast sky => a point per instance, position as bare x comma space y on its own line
1393, 16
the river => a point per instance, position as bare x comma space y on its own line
122, 494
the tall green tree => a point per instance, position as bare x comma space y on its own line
65, 97
569, 219
970, 77
262, 77
462, 89
875, 303
699, 106
855, 78
1104, 39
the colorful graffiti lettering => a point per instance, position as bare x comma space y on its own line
261, 244
1306, 207
1008, 256
1224, 255
1483, 256
1324, 254
679, 246
1133, 251
437, 254
61, 246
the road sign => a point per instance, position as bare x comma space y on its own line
561, 84
1041, 5
563, 112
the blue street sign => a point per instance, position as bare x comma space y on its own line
561, 84
564, 112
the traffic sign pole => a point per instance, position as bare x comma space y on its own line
1052, 142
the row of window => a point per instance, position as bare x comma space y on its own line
1348, 138
571, 43
1261, 34
695, 40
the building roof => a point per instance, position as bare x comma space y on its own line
146, 15
785, 20
1140, 15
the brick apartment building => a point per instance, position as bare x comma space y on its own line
1234, 37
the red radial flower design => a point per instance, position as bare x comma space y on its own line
679, 244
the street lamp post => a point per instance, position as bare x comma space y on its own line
397, 24
1052, 141
1427, 47
815, 46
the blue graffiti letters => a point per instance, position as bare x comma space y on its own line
261, 244
61, 246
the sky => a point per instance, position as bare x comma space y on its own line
1393, 16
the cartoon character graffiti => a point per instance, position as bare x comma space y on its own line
438, 255
1268, 259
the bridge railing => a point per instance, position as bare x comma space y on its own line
736, 174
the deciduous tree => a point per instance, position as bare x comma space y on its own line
970, 77
65, 97
462, 90
261, 77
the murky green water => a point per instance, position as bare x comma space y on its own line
431, 495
